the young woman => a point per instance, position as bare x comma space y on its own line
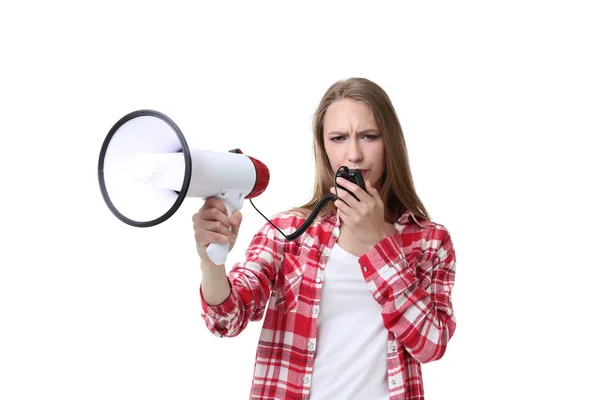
363, 297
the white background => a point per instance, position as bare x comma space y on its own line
500, 106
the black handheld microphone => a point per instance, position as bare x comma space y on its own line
352, 175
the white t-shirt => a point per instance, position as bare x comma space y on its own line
351, 349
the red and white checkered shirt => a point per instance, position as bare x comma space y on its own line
410, 274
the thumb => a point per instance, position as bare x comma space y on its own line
236, 221
371, 190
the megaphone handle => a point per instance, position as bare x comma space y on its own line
217, 252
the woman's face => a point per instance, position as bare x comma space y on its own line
352, 138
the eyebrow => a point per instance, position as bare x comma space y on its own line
346, 133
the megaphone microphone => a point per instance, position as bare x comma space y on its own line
146, 169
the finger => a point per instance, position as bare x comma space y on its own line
218, 227
214, 214
214, 202
204, 238
351, 187
209, 228
216, 238
340, 205
346, 197
236, 222
343, 216
372, 191
236, 218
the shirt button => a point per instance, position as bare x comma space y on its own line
311, 345
315, 310
365, 269
393, 348
336, 232
318, 280
393, 382
306, 380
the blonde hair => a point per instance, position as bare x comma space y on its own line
397, 191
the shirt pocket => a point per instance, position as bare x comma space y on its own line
289, 280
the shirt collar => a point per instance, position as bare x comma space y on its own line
408, 215
404, 219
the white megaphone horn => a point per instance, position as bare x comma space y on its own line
146, 169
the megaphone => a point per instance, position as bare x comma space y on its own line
146, 169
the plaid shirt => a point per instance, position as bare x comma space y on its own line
410, 274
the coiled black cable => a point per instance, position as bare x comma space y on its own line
309, 220
313, 215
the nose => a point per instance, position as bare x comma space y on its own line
354, 155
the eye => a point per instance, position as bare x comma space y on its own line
337, 138
370, 137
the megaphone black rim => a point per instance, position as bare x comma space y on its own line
186, 179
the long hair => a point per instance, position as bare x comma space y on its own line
397, 190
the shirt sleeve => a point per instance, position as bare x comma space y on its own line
418, 310
250, 281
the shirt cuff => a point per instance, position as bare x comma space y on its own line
219, 311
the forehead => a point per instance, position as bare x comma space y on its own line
348, 114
